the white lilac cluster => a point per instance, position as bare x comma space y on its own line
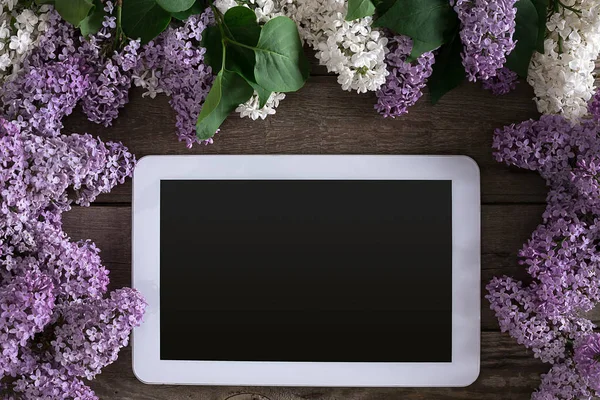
562, 77
264, 10
20, 30
252, 109
352, 49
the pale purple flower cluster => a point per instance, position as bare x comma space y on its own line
503, 83
58, 323
486, 31
563, 382
587, 359
109, 89
176, 62
562, 256
404, 85
110, 75
67, 69
42, 95
594, 106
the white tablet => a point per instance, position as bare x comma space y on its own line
307, 270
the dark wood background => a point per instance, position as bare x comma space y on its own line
323, 119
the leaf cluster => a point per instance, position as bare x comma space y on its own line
248, 58
87, 15
146, 19
433, 24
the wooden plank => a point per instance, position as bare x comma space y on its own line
504, 230
508, 371
323, 119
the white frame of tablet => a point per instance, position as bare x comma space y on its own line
462, 171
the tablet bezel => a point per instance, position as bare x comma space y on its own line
461, 170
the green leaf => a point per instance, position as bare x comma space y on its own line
542, 11
40, 2
281, 65
73, 11
382, 6
197, 8
263, 94
419, 48
241, 26
93, 22
359, 9
229, 90
448, 71
173, 6
429, 21
143, 19
526, 35
212, 42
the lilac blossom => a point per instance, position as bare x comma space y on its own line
594, 106
562, 382
41, 96
504, 82
45, 383
92, 333
109, 90
173, 64
562, 256
486, 31
587, 358
110, 74
404, 85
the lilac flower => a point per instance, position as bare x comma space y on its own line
404, 84
109, 89
562, 256
41, 96
110, 76
45, 383
562, 382
516, 309
93, 333
174, 64
547, 145
487, 28
587, 358
52, 289
26, 304
504, 82
594, 106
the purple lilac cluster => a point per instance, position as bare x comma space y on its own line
487, 29
67, 69
594, 106
110, 76
56, 324
59, 325
562, 257
587, 359
404, 85
174, 64
503, 83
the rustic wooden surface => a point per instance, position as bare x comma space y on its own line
323, 119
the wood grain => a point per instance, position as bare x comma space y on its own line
323, 119
507, 372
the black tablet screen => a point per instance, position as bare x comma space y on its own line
347, 271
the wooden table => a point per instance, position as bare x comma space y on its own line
323, 119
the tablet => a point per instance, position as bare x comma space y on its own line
307, 270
